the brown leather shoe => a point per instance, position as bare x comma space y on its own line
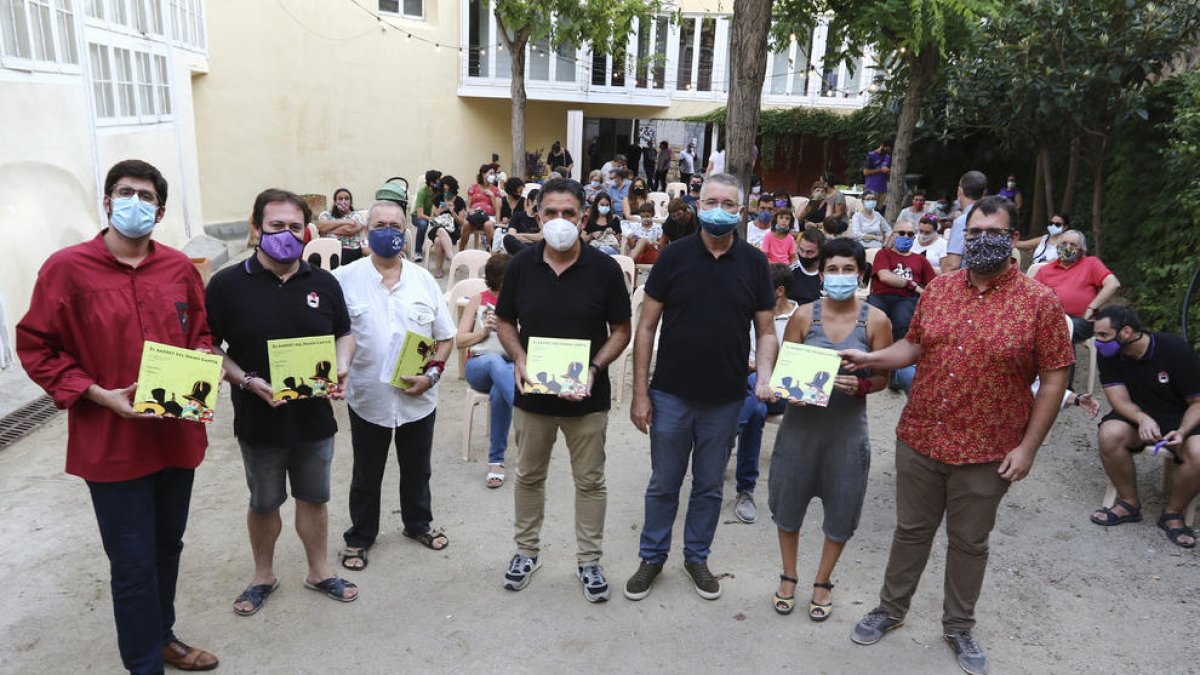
184, 657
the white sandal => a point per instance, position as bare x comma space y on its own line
494, 479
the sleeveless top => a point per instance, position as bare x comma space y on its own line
491, 343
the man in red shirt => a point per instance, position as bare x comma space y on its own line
93, 306
979, 337
1082, 283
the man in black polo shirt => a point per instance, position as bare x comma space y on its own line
564, 289
806, 279
707, 289
273, 295
1152, 381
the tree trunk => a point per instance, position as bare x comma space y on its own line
748, 67
515, 44
1038, 211
922, 69
1068, 201
1048, 178
1097, 194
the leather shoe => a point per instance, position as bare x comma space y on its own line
183, 657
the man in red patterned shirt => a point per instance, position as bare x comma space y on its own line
93, 307
979, 336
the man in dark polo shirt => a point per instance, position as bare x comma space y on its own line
1152, 381
273, 295
806, 279
707, 289
561, 288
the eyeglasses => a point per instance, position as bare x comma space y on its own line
726, 205
125, 192
976, 232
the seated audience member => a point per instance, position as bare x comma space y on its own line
898, 278
760, 225
618, 191
524, 229
483, 205
915, 210
603, 229
1045, 247
693, 194
1082, 283
835, 227
783, 200
929, 243
806, 278
754, 411
834, 198
489, 368
609, 171
638, 195
345, 224
644, 236
681, 220
780, 244
868, 227
1152, 381
423, 210
594, 186
447, 225
818, 208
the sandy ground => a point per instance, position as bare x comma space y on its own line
1062, 595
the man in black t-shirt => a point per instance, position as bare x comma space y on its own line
1152, 381
561, 288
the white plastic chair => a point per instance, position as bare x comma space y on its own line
676, 190
659, 199
629, 269
622, 362
1033, 269
313, 232
473, 399
853, 206
470, 260
1168, 471
456, 299
529, 187
325, 253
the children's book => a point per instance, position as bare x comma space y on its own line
805, 374
558, 366
409, 354
177, 383
302, 367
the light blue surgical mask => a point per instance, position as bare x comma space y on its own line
840, 286
718, 222
133, 217
870, 204
1054, 230
604, 210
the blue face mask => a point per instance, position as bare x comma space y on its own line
764, 217
904, 244
604, 210
840, 286
133, 217
718, 222
870, 204
386, 243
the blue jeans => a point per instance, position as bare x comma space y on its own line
141, 524
493, 373
904, 377
750, 425
899, 309
422, 224
681, 431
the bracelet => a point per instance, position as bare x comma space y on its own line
864, 387
439, 365
246, 382
599, 368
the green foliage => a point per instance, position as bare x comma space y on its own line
604, 24
785, 128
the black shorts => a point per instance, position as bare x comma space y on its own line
1163, 425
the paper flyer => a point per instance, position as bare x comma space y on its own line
302, 367
409, 354
558, 366
177, 383
803, 373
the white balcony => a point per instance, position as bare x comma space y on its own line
663, 63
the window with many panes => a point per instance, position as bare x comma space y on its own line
187, 23
38, 34
130, 86
414, 9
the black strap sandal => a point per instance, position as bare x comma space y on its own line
1112, 518
429, 538
785, 604
351, 553
816, 611
1175, 534
255, 595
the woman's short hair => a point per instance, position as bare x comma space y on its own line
483, 169
494, 269
449, 183
513, 186
843, 247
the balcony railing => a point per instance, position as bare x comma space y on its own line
663, 61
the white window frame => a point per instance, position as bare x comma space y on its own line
401, 13
188, 24
159, 82
59, 42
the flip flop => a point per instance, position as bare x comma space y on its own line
353, 553
1175, 533
428, 537
255, 595
1112, 518
334, 588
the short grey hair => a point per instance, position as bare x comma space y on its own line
726, 179
1082, 239
387, 203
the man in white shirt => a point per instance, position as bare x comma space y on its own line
387, 298
687, 163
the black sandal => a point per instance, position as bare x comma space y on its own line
816, 611
256, 596
428, 538
785, 605
354, 553
1112, 518
1174, 533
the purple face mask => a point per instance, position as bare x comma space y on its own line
1107, 348
282, 247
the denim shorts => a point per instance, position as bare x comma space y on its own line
307, 465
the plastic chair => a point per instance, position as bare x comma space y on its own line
676, 190
622, 362
474, 398
325, 253
530, 187
853, 206
470, 260
629, 269
659, 199
798, 204
456, 299
1033, 269
1168, 470
313, 232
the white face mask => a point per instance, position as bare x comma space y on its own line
491, 178
560, 234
